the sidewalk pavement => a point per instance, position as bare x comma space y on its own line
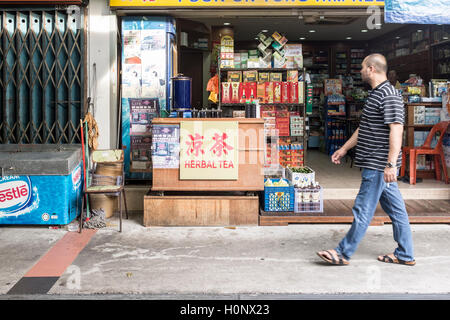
229, 262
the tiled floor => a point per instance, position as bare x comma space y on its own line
341, 181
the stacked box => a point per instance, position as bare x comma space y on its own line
282, 124
226, 52
244, 59
203, 43
269, 117
419, 115
294, 56
432, 115
296, 126
237, 60
297, 155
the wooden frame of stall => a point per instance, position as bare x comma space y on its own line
175, 202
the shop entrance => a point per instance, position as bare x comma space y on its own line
334, 43
332, 46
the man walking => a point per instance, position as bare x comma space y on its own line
378, 142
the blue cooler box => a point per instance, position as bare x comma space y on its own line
40, 184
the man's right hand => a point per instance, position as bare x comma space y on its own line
337, 155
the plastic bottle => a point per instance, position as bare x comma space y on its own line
307, 197
315, 196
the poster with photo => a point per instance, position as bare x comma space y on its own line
166, 146
141, 153
142, 112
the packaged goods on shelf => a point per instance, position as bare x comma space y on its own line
250, 76
264, 76
253, 62
438, 87
238, 114
277, 91
269, 92
234, 76
276, 76
285, 92
226, 92
293, 92
292, 75
236, 91
279, 38
226, 52
261, 92
419, 114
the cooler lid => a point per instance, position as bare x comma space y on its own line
40, 160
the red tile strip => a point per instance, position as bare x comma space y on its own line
61, 255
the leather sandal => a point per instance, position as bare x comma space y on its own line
386, 258
340, 261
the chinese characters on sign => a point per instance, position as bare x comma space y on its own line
208, 150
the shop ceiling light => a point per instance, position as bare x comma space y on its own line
419, 30
312, 31
264, 30
226, 23
348, 38
364, 30
302, 38
444, 38
397, 37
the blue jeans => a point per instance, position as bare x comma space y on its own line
374, 189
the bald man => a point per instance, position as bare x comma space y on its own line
378, 142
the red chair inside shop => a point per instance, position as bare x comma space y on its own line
437, 152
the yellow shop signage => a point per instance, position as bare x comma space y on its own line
245, 3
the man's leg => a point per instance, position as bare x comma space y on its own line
363, 210
391, 201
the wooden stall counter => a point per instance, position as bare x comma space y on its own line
219, 197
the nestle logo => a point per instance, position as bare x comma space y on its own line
14, 195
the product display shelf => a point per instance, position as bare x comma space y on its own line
296, 107
411, 127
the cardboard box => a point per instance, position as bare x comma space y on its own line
250, 76
269, 92
293, 92
285, 92
276, 92
234, 76
261, 92
292, 76
263, 76
226, 92
236, 92
276, 76
238, 113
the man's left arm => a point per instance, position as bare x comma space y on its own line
395, 146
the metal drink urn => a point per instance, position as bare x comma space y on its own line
182, 93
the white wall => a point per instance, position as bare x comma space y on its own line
102, 84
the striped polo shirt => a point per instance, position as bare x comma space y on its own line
384, 106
